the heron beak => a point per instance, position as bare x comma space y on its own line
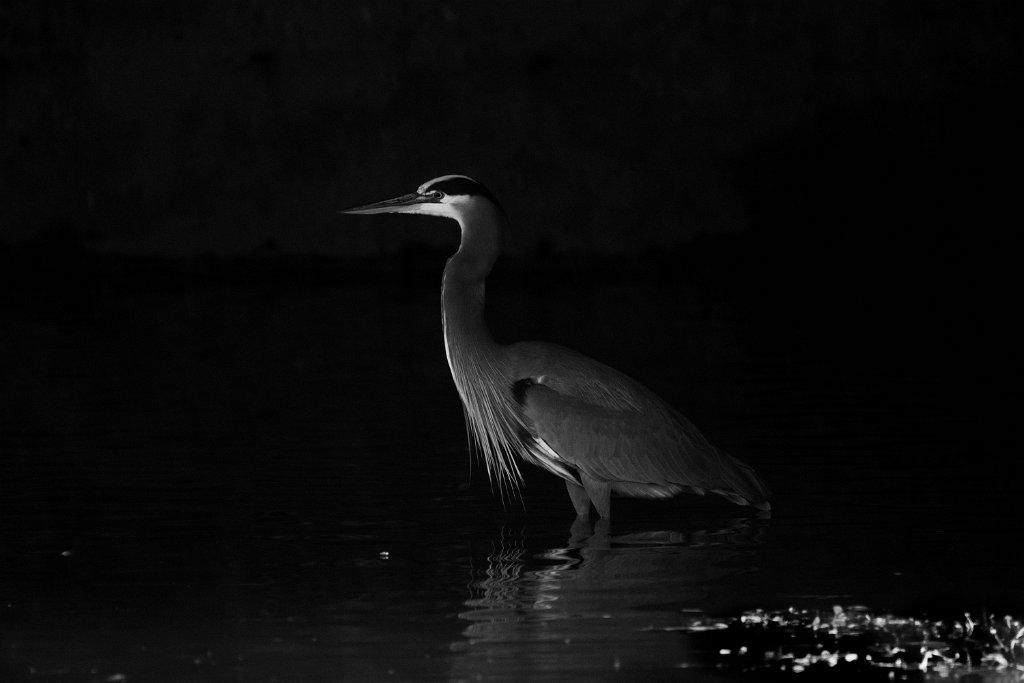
405, 203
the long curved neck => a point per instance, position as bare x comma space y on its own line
462, 291
476, 361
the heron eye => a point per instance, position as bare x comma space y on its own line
437, 195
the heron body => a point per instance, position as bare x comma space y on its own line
599, 430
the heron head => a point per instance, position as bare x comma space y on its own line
449, 196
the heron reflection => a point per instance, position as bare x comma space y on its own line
574, 605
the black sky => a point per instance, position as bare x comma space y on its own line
226, 127
849, 169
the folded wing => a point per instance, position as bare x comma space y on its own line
600, 422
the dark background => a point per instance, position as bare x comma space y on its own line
220, 400
848, 172
848, 131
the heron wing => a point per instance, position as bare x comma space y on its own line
614, 429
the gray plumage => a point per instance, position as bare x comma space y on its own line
594, 427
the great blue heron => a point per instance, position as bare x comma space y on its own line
597, 429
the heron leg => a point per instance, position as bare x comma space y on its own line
579, 498
600, 494
580, 531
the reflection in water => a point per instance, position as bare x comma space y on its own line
198, 481
600, 604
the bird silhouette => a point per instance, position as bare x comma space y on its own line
599, 430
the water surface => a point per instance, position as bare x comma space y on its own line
249, 480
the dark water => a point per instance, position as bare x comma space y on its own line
253, 481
